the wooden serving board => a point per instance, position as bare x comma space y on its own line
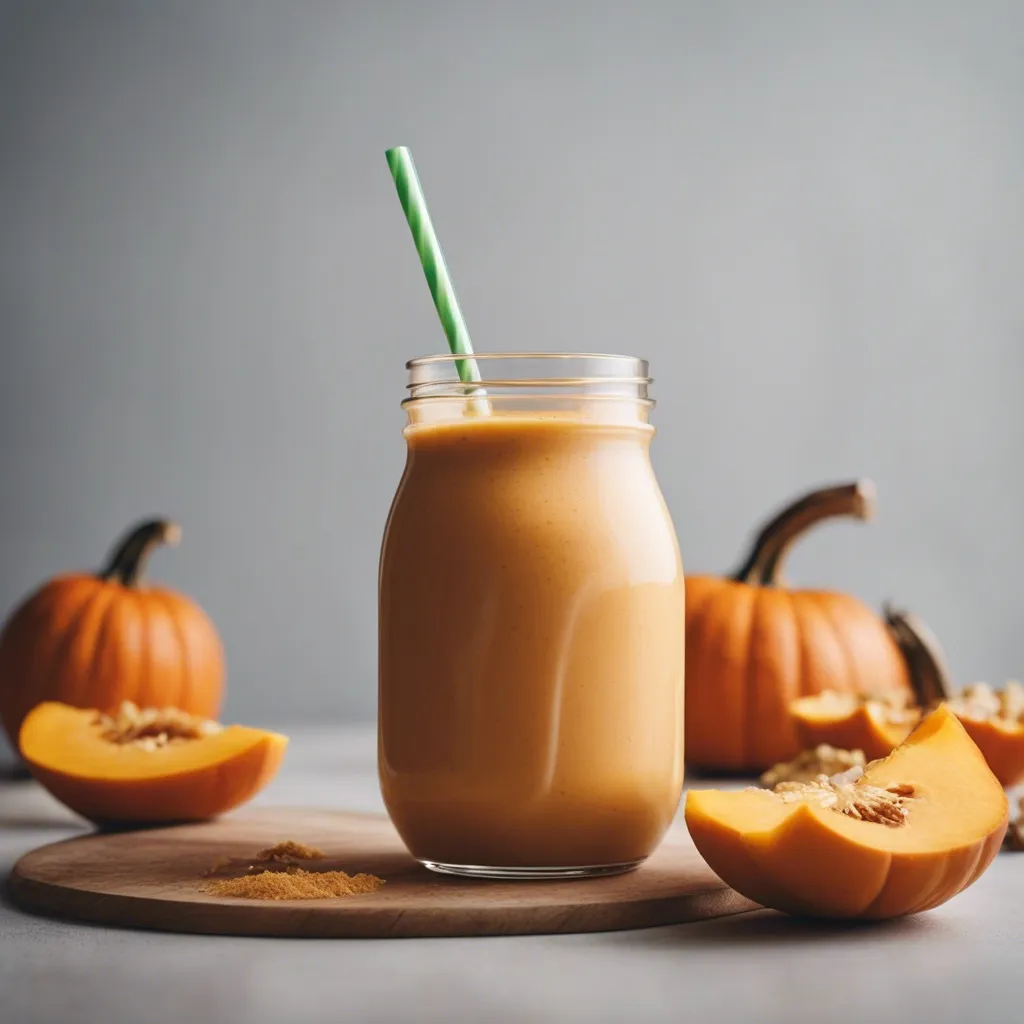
154, 879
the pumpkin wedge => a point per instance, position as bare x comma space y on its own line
146, 766
994, 719
850, 722
909, 833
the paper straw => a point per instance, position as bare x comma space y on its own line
414, 203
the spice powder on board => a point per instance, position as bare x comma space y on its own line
295, 885
286, 881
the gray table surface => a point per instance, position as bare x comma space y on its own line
962, 962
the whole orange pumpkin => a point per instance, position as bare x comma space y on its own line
753, 646
93, 641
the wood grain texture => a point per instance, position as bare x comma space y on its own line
153, 879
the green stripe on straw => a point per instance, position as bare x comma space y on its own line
414, 203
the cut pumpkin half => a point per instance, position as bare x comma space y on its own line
843, 720
905, 835
146, 765
994, 719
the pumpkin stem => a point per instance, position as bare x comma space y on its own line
763, 565
127, 562
926, 662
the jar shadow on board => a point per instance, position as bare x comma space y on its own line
530, 621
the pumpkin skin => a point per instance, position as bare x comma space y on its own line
93, 641
753, 646
121, 785
809, 860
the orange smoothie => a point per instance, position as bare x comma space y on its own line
531, 644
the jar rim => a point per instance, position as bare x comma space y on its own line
532, 382
502, 399
448, 357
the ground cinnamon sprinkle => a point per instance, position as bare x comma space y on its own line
282, 856
295, 885
286, 851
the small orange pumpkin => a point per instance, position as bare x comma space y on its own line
93, 641
753, 646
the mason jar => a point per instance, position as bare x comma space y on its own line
531, 620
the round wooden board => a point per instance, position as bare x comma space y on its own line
154, 879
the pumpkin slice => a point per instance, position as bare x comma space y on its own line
875, 725
143, 766
909, 833
994, 719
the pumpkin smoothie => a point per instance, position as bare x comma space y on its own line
531, 642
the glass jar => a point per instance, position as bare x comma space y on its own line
531, 621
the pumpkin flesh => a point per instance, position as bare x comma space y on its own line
804, 858
114, 783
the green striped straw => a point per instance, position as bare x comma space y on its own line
414, 203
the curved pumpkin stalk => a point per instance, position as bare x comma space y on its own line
926, 661
127, 562
763, 566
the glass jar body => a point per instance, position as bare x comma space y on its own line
531, 614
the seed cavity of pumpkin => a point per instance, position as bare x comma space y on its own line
894, 707
151, 729
847, 793
823, 759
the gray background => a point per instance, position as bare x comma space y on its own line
810, 217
